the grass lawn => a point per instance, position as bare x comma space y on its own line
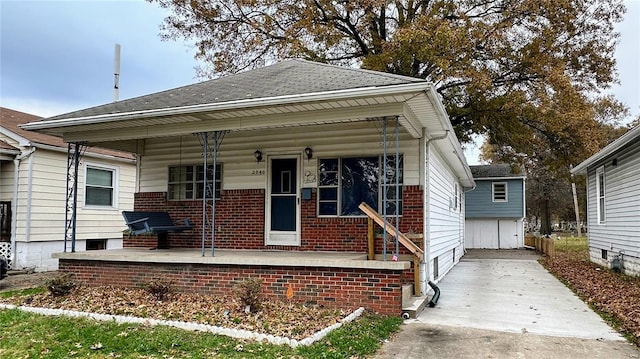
615, 296
26, 335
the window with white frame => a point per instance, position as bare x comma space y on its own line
187, 182
600, 193
344, 183
456, 197
100, 186
499, 192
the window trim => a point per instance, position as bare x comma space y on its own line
338, 201
115, 185
601, 212
493, 192
194, 181
457, 206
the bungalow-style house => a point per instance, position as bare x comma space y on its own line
613, 203
33, 187
297, 153
495, 209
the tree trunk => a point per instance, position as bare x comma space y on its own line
545, 225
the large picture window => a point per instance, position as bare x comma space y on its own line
187, 182
100, 186
344, 183
600, 192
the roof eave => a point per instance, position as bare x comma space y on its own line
465, 175
237, 104
610, 149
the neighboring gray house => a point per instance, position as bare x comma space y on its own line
613, 203
495, 209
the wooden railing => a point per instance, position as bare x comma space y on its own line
418, 253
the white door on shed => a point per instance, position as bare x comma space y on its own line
481, 233
508, 233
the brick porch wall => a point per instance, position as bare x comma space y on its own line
374, 289
240, 222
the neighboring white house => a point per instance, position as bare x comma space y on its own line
33, 182
495, 209
613, 203
303, 147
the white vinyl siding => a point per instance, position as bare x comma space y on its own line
242, 171
48, 195
446, 224
6, 180
621, 230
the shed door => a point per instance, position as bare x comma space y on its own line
283, 214
508, 232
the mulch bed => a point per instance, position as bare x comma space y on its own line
287, 319
614, 294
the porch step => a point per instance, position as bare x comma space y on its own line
412, 305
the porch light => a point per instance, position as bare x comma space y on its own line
258, 155
308, 152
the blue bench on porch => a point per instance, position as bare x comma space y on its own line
160, 223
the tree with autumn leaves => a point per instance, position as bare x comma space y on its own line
526, 74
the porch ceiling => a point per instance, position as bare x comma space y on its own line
121, 131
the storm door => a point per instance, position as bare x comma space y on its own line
283, 212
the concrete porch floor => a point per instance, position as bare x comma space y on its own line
237, 257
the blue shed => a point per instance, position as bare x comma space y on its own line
495, 209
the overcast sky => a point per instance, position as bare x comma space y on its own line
57, 56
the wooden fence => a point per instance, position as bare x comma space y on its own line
546, 246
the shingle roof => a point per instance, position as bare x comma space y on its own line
496, 171
290, 77
10, 119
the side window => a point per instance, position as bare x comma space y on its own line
600, 193
187, 182
100, 186
499, 192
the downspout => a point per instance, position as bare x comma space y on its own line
14, 202
426, 238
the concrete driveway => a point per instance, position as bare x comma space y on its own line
504, 304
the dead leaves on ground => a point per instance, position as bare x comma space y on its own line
275, 317
612, 293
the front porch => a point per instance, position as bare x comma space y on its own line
333, 279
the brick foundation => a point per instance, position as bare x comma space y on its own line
375, 289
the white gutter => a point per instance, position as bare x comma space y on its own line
85, 154
232, 105
425, 275
446, 124
14, 202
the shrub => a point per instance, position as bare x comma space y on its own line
249, 292
60, 285
158, 288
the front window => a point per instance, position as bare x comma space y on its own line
344, 183
500, 192
187, 182
100, 185
600, 191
